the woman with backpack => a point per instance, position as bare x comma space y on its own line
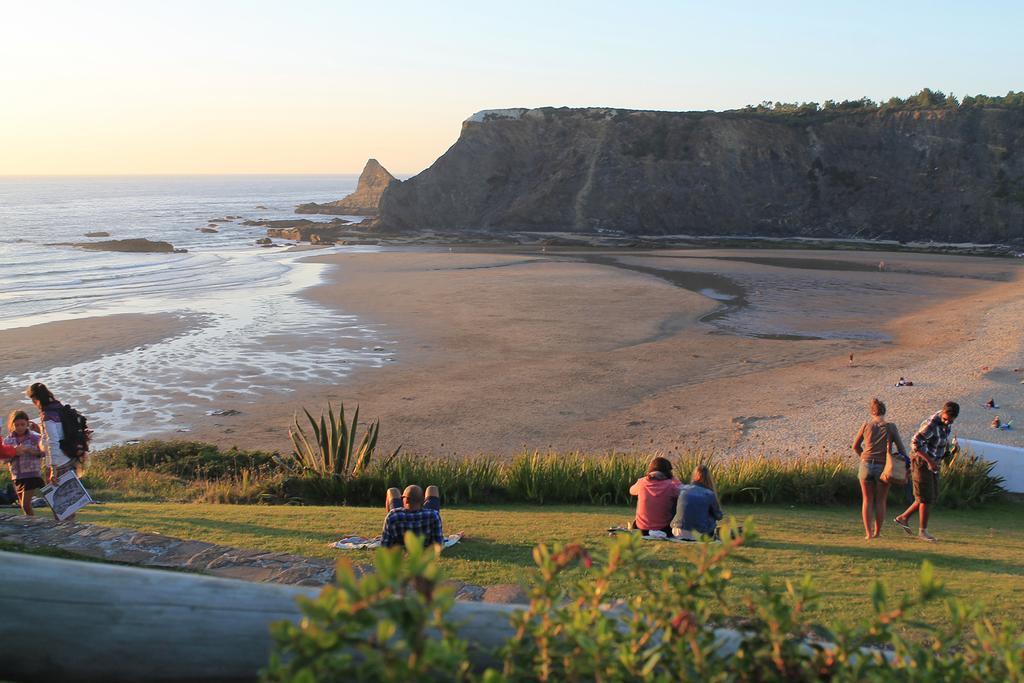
52, 432
873, 445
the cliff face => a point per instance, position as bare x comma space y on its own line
944, 175
364, 201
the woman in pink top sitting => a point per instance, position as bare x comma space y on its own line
656, 494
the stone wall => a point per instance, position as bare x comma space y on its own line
126, 546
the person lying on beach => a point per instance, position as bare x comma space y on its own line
412, 511
903, 383
697, 509
656, 494
998, 424
991, 403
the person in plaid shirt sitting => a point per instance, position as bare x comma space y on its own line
928, 447
411, 511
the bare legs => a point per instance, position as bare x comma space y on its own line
393, 498
881, 499
922, 510
867, 507
25, 501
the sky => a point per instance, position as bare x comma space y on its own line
303, 86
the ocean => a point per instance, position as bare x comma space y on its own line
239, 299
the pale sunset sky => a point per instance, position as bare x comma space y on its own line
141, 87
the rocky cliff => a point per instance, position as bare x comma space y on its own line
944, 174
364, 201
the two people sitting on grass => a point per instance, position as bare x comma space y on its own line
668, 508
411, 510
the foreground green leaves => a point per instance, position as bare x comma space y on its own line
686, 624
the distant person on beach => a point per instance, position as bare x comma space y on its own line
872, 445
851, 360
698, 509
929, 447
25, 465
58, 463
656, 493
411, 510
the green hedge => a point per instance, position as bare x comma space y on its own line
202, 471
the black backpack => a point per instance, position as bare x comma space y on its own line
75, 443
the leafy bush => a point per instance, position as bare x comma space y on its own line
396, 625
187, 459
332, 449
967, 480
385, 626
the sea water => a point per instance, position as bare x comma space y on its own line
238, 300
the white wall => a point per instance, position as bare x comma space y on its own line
1009, 461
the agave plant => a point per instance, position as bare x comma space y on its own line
332, 450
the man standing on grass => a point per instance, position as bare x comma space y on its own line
928, 448
412, 513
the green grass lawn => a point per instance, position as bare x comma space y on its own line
980, 555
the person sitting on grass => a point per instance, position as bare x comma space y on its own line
656, 494
409, 511
698, 509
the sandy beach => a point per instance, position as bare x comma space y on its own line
738, 352
500, 352
38, 348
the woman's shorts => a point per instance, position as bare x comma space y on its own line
870, 471
30, 484
926, 483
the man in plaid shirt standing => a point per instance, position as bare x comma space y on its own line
928, 448
411, 512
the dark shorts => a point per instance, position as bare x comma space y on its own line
30, 484
870, 471
429, 503
926, 483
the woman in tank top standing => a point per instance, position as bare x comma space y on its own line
872, 445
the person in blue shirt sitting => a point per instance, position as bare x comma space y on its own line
697, 510
411, 511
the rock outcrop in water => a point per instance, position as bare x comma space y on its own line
303, 229
953, 175
373, 181
135, 246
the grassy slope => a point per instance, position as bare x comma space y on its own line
980, 556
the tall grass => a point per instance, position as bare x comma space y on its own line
186, 470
